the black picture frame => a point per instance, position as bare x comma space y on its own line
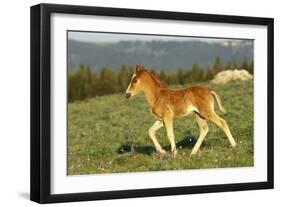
41, 99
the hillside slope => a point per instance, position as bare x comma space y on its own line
101, 131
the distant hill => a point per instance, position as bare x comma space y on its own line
155, 54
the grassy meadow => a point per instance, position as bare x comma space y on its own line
109, 134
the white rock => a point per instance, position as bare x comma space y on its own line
230, 75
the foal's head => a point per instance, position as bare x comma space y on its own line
135, 86
141, 80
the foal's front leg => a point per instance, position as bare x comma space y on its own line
152, 130
168, 120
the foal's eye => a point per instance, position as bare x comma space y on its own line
135, 80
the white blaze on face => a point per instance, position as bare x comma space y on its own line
134, 75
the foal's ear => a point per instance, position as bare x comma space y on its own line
139, 68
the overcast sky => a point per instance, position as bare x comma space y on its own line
115, 37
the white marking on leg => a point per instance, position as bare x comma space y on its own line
202, 123
152, 130
170, 134
229, 135
223, 125
171, 138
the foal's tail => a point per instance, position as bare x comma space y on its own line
216, 96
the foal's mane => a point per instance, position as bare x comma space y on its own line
156, 79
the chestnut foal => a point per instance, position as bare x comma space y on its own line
167, 104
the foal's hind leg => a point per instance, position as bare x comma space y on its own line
202, 123
170, 133
152, 130
223, 125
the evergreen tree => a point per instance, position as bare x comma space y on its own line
95, 84
251, 67
108, 81
123, 78
187, 76
180, 76
245, 63
172, 79
234, 64
163, 76
78, 84
197, 74
218, 66
209, 74
231, 65
88, 82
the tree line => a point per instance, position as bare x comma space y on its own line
85, 83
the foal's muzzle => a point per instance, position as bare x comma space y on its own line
128, 95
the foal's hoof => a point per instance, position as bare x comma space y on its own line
174, 152
192, 154
233, 144
161, 151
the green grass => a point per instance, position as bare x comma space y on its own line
101, 131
